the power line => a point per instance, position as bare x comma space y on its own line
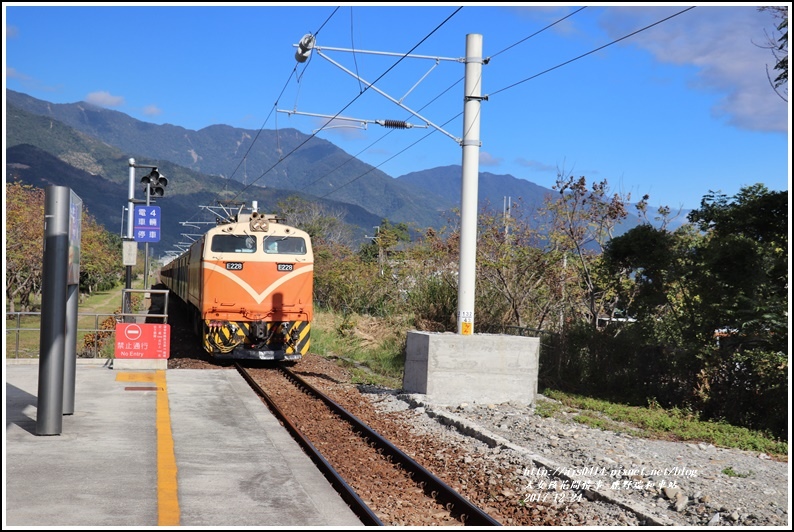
390, 158
275, 105
355, 98
421, 108
537, 32
353, 157
446, 90
500, 90
591, 51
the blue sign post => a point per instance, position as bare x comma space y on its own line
147, 223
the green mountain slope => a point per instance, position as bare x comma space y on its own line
283, 159
42, 151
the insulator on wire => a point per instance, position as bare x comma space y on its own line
304, 48
394, 124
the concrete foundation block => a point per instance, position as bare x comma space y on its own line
481, 368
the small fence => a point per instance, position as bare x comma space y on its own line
96, 333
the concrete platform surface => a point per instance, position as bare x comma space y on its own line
158, 448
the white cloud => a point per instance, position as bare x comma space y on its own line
486, 159
152, 110
535, 165
12, 73
726, 46
104, 99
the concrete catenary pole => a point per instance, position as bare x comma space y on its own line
469, 193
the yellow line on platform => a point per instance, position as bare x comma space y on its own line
167, 493
167, 497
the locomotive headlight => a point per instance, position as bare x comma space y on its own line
258, 222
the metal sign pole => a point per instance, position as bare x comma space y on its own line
146, 244
130, 245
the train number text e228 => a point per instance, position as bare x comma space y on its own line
234, 265
284, 267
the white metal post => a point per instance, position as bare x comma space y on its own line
130, 222
130, 198
468, 202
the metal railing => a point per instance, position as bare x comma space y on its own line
21, 328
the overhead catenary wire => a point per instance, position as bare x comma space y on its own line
336, 189
353, 100
537, 32
354, 157
275, 105
591, 51
360, 93
518, 83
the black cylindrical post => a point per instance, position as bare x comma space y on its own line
70, 349
49, 415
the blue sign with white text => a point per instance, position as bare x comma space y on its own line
146, 226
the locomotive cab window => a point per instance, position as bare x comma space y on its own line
233, 244
288, 245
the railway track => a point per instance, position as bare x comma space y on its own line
382, 484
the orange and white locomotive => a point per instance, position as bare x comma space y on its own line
248, 285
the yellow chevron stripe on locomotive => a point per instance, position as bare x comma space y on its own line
288, 340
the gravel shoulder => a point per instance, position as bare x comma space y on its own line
669, 483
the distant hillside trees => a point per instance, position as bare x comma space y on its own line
100, 256
324, 225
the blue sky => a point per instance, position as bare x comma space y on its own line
673, 111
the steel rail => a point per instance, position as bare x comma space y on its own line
356, 504
460, 507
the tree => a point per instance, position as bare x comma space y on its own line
746, 257
517, 276
100, 256
100, 253
779, 49
583, 220
713, 298
387, 237
322, 224
24, 243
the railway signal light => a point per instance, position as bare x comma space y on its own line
156, 182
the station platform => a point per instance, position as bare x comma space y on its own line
158, 448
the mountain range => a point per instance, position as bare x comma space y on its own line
88, 148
